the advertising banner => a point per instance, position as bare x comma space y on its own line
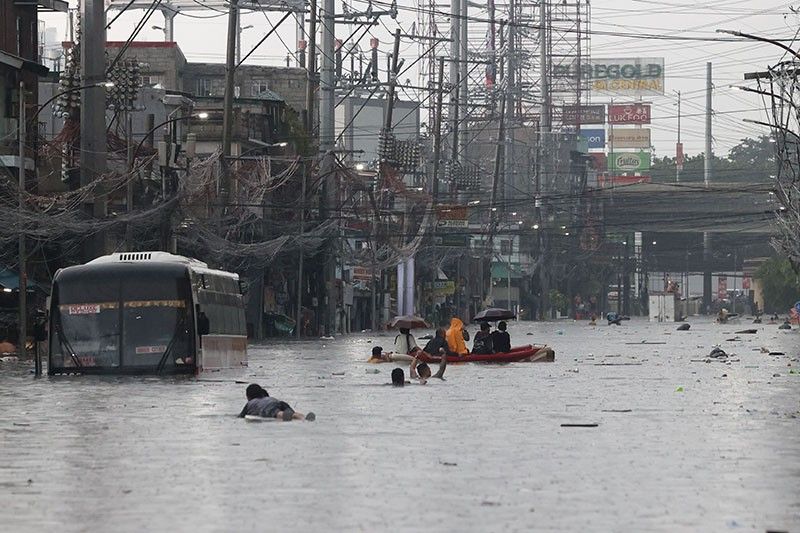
722, 287
598, 161
595, 138
629, 114
617, 181
633, 76
452, 216
629, 138
589, 114
628, 161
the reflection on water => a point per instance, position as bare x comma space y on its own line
482, 451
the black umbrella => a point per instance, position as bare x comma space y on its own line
493, 314
408, 322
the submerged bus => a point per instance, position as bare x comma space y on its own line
145, 313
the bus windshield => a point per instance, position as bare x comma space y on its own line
123, 323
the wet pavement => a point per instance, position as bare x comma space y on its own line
681, 444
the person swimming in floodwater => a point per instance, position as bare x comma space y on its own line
379, 356
398, 377
259, 403
422, 372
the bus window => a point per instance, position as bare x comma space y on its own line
90, 332
150, 326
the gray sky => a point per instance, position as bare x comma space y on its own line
203, 39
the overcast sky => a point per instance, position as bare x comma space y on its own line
203, 39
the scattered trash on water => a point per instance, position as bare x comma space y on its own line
747, 332
373, 371
679, 389
574, 425
327, 338
337, 373
718, 353
684, 327
559, 332
616, 410
776, 353
445, 463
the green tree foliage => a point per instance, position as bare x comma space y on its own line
752, 160
780, 284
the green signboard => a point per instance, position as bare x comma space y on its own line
628, 161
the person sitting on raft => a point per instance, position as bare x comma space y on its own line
455, 337
405, 343
483, 340
501, 340
438, 344
422, 372
259, 403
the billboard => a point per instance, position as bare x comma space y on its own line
595, 138
633, 76
628, 161
589, 114
598, 161
722, 287
629, 138
629, 114
618, 181
452, 216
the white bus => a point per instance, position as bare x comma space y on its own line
145, 313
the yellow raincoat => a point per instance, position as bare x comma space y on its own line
455, 337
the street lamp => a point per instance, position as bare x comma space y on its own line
239, 42
162, 29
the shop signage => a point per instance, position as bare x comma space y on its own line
618, 181
722, 287
629, 114
589, 114
598, 161
629, 138
635, 76
628, 161
442, 287
595, 138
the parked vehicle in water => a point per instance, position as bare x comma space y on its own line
145, 313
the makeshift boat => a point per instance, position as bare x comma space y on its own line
520, 354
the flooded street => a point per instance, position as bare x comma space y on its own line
681, 444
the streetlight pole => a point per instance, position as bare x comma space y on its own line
22, 349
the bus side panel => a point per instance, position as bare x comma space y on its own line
222, 352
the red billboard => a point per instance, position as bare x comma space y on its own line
618, 181
598, 161
722, 287
629, 114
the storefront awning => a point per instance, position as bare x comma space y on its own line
20, 63
500, 271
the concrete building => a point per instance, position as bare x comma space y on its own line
19, 62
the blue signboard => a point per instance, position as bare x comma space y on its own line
595, 137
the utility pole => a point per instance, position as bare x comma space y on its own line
463, 91
679, 146
93, 114
22, 349
326, 144
707, 180
544, 158
311, 66
437, 156
227, 118
510, 79
455, 52
238, 36
299, 313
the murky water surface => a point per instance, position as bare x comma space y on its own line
483, 451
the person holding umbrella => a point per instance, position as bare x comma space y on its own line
405, 343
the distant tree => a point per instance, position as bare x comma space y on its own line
780, 284
752, 160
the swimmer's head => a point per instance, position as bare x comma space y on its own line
255, 390
377, 351
398, 377
424, 371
